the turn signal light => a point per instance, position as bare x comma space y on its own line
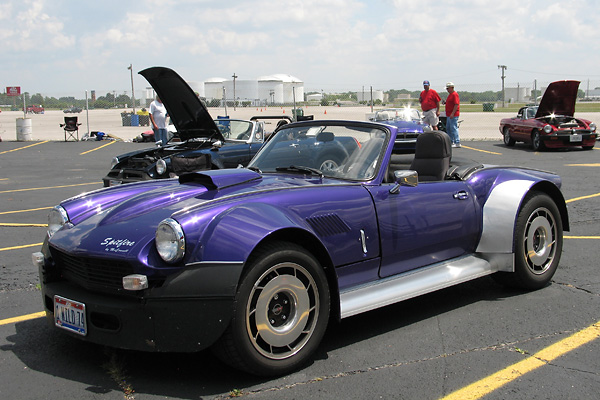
135, 282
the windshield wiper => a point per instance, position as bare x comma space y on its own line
255, 169
301, 169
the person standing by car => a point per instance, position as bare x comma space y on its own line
158, 117
430, 104
452, 113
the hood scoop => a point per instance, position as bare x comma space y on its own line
220, 178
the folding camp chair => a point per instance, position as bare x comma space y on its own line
71, 127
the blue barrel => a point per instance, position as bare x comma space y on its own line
135, 120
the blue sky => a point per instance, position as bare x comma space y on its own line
61, 48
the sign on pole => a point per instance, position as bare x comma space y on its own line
13, 90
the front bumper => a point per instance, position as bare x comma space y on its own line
567, 140
157, 324
187, 312
122, 176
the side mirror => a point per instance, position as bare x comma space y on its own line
404, 178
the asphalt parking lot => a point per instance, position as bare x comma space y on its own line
507, 344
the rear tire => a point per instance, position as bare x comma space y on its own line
280, 312
538, 244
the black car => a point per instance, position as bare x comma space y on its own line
203, 143
72, 109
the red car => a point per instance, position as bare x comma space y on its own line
551, 124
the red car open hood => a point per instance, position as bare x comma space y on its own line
559, 99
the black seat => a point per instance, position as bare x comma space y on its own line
71, 127
432, 156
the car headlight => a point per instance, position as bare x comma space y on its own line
114, 162
161, 166
548, 128
593, 127
170, 241
56, 219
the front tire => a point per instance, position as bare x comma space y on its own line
538, 244
280, 312
508, 141
536, 141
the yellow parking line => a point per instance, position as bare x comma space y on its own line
483, 151
581, 237
24, 147
16, 224
583, 197
22, 318
20, 211
583, 165
487, 385
97, 148
21, 247
49, 187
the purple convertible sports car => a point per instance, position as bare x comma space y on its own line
324, 223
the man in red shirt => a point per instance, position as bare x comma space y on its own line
452, 113
430, 104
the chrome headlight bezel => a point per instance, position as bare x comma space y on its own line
548, 128
592, 127
56, 219
170, 241
161, 166
114, 162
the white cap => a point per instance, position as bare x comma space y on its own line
449, 84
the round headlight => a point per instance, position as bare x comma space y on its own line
161, 166
170, 241
114, 162
548, 128
593, 127
56, 219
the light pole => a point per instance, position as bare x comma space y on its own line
234, 76
503, 68
130, 68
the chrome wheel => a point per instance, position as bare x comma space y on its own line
539, 242
328, 165
282, 311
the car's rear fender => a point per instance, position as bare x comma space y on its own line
500, 212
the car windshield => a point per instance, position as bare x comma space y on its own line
398, 114
234, 129
345, 152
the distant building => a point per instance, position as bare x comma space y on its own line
271, 89
518, 94
366, 95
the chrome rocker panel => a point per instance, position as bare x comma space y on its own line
414, 283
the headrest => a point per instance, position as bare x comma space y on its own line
325, 136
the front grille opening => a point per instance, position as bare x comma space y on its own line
104, 321
92, 273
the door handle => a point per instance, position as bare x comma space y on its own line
461, 195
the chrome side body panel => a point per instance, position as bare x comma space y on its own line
412, 284
499, 217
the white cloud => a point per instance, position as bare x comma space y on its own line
326, 43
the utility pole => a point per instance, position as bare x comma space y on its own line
503, 68
130, 68
234, 76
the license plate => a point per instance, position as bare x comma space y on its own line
70, 315
576, 138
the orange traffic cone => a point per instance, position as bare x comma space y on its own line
325, 111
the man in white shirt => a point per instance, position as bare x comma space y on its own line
158, 117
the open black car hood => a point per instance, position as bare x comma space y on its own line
559, 99
188, 114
